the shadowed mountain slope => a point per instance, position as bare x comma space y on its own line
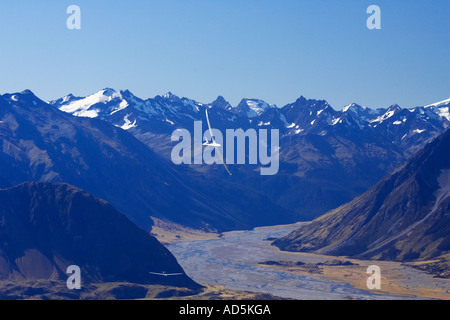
405, 216
46, 227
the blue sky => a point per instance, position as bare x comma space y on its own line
272, 50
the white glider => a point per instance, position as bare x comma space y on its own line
166, 274
213, 142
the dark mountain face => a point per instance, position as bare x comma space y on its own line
40, 143
404, 217
46, 227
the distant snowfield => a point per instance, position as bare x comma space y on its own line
443, 111
81, 107
438, 104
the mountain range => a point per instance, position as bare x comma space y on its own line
117, 146
403, 217
406, 128
41, 143
82, 177
327, 157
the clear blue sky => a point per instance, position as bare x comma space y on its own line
272, 50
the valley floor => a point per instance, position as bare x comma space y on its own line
243, 265
246, 261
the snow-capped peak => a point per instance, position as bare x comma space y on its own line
220, 102
361, 112
345, 109
170, 95
90, 106
439, 104
108, 92
353, 107
389, 113
441, 108
253, 107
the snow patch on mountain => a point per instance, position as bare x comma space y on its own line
291, 125
191, 103
122, 105
335, 121
445, 113
441, 108
384, 117
128, 125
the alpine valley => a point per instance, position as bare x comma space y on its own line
403, 217
83, 180
327, 157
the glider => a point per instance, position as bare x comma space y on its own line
213, 142
166, 274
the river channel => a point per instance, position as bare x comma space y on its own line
232, 262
